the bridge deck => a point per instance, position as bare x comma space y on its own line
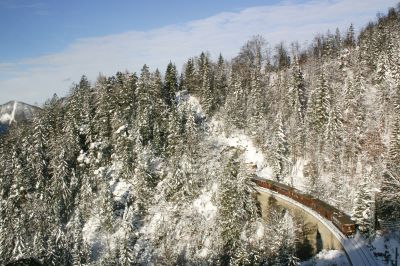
355, 248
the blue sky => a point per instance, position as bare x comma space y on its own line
35, 27
46, 45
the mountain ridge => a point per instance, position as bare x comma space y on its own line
15, 112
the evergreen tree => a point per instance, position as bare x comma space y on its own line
106, 210
143, 119
221, 82
236, 207
350, 40
206, 87
338, 39
281, 158
190, 77
60, 184
103, 117
362, 211
170, 84
192, 133
235, 105
38, 152
394, 146
257, 98
299, 92
126, 245
320, 106
282, 58
79, 250
390, 188
334, 133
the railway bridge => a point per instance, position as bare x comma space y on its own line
322, 234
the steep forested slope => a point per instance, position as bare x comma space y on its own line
129, 170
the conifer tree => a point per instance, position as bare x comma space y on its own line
281, 156
350, 40
257, 98
173, 135
389, 207
362, 211
236, 208
334, 133
221, 82
126, 245
192, 133
106, 210
320, 104
60, 184
338, 39
394, 146
170, 84
235, 105
103, 117
79, 250
206, 87
299, 92
189, 80
38, 152
143, 119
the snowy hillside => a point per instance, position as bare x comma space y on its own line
14, 112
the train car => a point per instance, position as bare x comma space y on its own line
261, 182
302, 197
265, 183
283, 189
344, 223
324, 209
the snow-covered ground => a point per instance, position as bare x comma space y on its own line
254, 156
204, 205
251, 154
328, 258
384, 247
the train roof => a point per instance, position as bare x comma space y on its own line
273, 182
280, 185
342, 217
326, 205
256, 178
297, 191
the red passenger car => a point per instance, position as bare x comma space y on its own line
344, 223
303, 198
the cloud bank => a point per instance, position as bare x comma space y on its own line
36, 79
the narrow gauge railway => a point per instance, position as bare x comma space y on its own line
341, 220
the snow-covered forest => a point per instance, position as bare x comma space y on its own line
135, 168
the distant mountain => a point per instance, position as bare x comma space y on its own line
15, 112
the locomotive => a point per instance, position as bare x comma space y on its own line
341, 220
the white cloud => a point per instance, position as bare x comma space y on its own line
35, 79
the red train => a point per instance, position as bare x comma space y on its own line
337, 217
